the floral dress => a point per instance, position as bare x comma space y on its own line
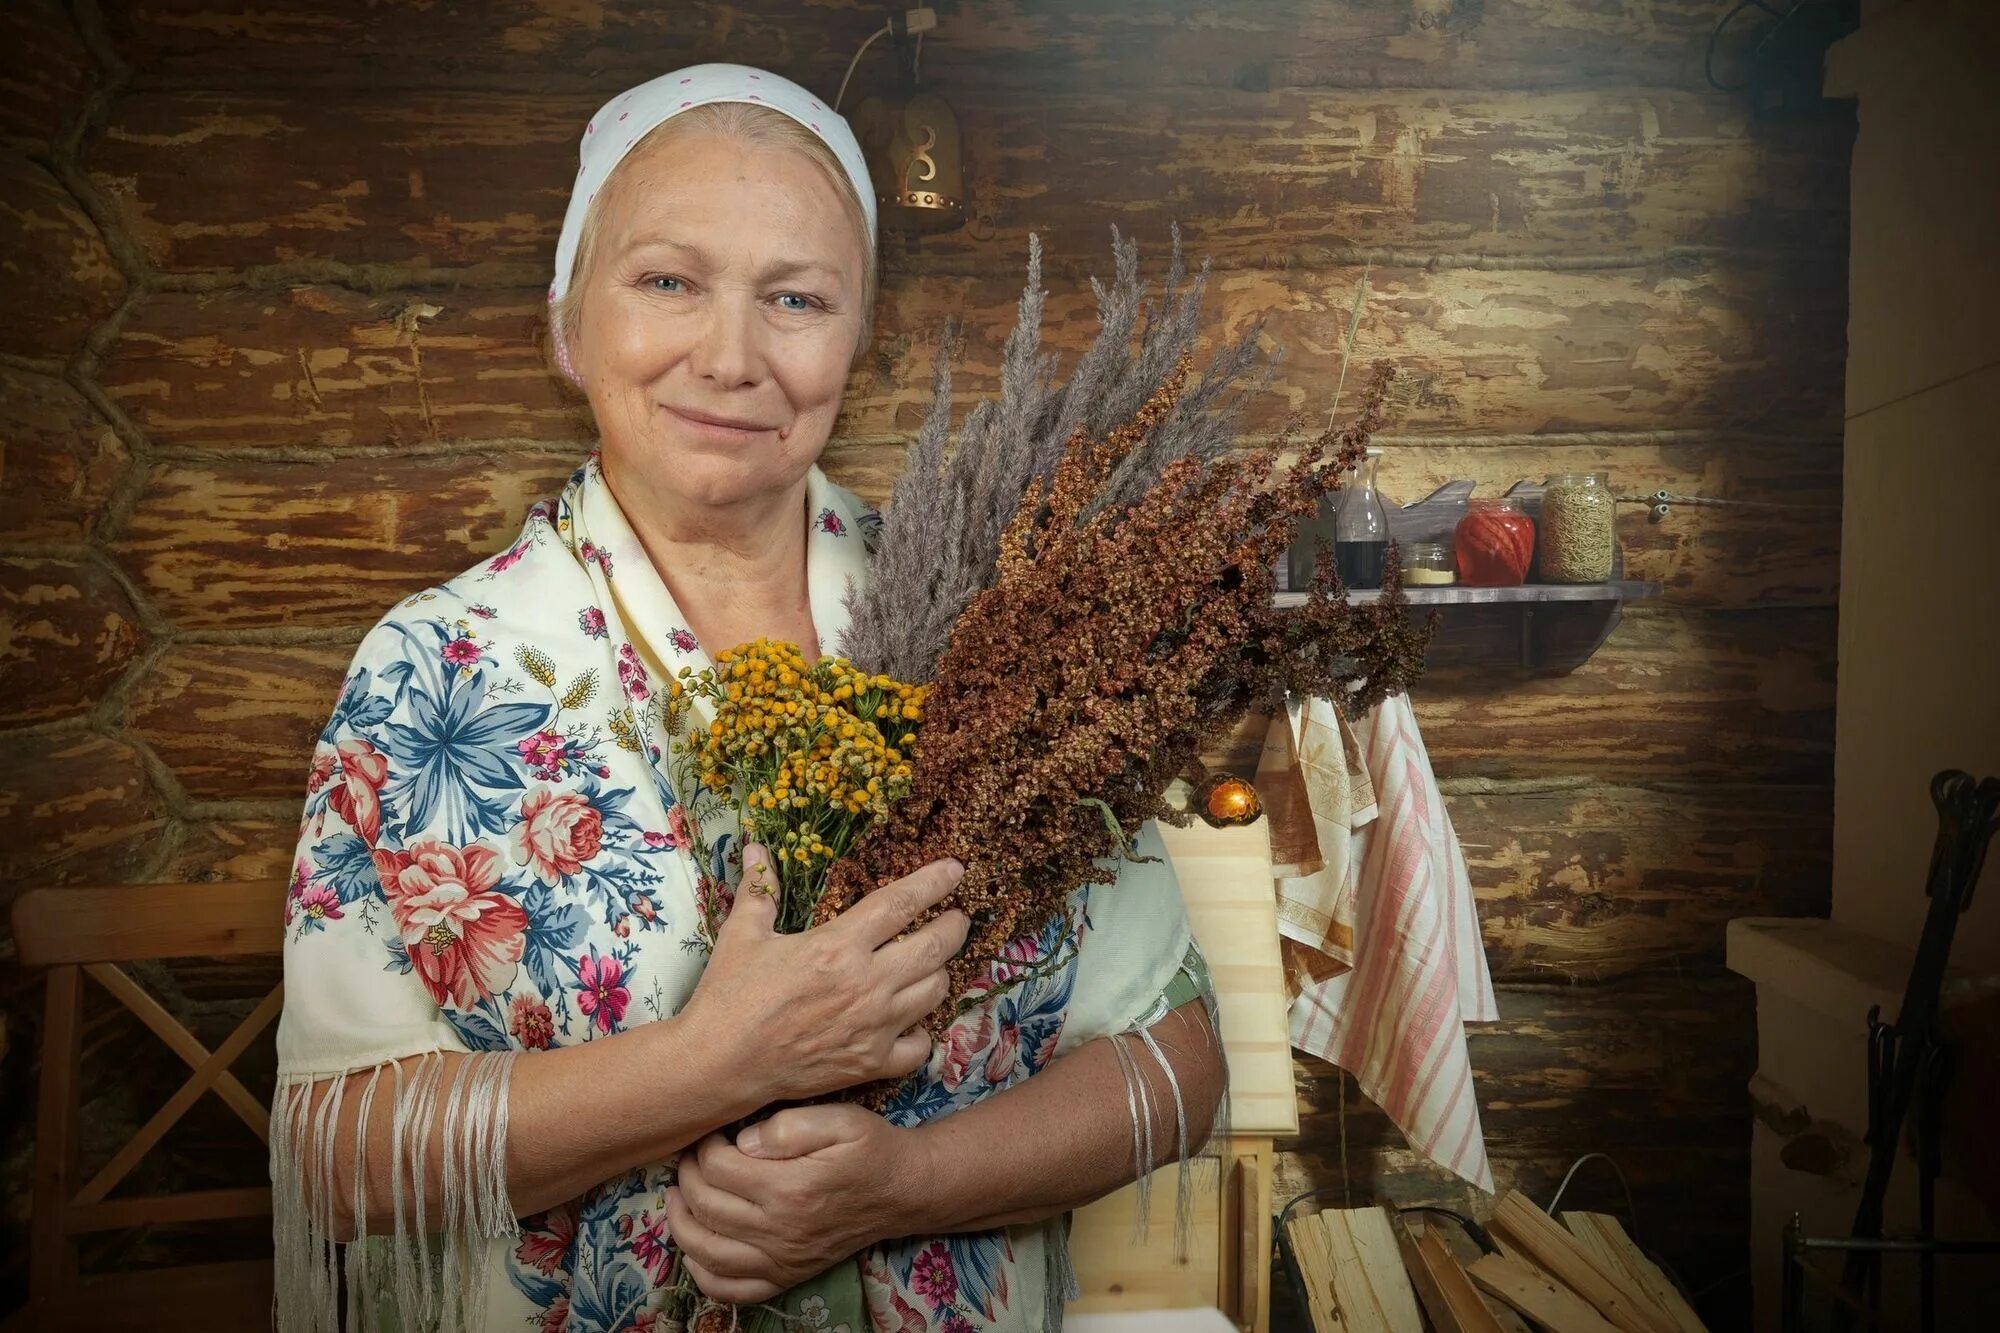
493, 860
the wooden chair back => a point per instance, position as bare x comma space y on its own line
79, 932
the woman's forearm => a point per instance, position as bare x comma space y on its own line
1064, 1137
576, 1117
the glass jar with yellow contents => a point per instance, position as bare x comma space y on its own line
1578, 539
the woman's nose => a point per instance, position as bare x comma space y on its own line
729, 350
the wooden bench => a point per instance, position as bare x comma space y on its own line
79, 932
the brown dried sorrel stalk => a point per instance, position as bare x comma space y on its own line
1116, 640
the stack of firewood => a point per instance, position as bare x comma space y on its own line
1368, 1269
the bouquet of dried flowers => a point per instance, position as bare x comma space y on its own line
1067, 602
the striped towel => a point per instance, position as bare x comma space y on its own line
1396, 1019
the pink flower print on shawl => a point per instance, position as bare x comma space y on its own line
463, 938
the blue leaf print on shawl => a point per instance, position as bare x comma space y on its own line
452, 753
345, 864
552, 932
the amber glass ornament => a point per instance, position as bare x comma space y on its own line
1225, 800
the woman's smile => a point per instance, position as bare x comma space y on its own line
725, 430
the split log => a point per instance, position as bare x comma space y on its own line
67, 633
1535, 1294
1557, 1253
58, 459
223, 181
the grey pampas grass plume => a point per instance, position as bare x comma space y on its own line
940, 538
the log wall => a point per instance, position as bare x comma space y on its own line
276, 358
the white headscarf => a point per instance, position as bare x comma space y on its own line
627, 118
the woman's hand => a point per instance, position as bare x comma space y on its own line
820, 1184
832, 1007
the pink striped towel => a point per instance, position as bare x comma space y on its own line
1396, 1020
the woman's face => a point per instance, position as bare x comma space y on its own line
725, 286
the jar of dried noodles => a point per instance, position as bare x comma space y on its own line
1577, 531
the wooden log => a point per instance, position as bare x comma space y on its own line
1733, 697
1590, 882
326, 367
221, 181
259, 543
76, 807
1568, 1070
48, 71
1449, 1298
1610, 1248
1698, 343
239, 721
1537, 1295
233, 849
1015, 44
58, 459
1369, 1284
67, 633
1692, 344
1557, 1253
1309, 1250
63, 279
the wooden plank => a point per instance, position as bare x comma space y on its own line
182, 1043
1697, 344
125, 923
1118, 1270
67, 633
1556, 1252
1535, 1295
202, 537
52, 1260
63, 280
1015, 44
1225, 878
1604, 1237
334, 368
221, 181
76, 807
1586, 882
202, 1080
193, 1206
1448, 1296
1369, 1284
239, 721
58, 459
1309, 1250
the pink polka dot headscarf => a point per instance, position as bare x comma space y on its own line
624, 120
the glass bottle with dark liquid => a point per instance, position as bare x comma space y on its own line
1361, 529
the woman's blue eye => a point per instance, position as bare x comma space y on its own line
664, 279
795, 296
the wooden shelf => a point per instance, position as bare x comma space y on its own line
1537, 628
1619, 590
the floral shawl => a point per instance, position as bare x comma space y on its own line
493, 860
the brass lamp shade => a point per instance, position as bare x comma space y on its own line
912, 147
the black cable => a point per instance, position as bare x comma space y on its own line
1708, 57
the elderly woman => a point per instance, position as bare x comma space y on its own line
509, 1055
